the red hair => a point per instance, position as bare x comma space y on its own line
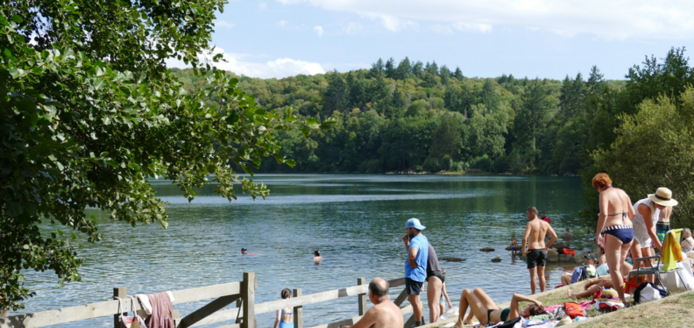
601, 180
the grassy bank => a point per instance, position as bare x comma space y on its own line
673, 311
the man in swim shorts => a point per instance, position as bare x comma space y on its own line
536, 253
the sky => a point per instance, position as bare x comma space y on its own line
485, 38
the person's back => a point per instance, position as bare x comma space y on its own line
387, 315
538, 231
618, 207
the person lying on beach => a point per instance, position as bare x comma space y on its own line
592, 286
487, 312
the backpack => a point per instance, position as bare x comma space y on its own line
579, 274
574, 310
647, 292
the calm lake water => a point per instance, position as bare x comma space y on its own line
355, 220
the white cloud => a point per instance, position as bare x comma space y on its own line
475, 27
392, 23
319, 30
352, 28
442, 29
278, 68
282, 23
225, 24
262, 5
612, 19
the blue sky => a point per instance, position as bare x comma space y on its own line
485, 38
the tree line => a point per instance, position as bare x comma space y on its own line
420, 117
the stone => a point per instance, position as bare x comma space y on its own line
487, 249
496, 259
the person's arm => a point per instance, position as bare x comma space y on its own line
526, 234
445, 295
412, 256
278, 317
648, 221
553, 235
601, 219
515, 300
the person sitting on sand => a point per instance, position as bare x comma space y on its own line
589, 268
317, 259
487, 312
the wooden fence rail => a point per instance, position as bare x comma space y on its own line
241, 292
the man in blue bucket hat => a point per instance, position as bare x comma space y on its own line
417, 247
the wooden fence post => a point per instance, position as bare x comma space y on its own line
298, 311
248, 296
362, 297
122, 293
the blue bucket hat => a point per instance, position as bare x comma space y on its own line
414, 223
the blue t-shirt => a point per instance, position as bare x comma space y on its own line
420, 273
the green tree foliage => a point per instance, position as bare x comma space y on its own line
88, 112
654, 149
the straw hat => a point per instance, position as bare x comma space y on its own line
663, 196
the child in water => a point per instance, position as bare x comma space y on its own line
514, 246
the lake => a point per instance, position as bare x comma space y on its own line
356, 221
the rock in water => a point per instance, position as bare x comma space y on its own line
496, 259
451, 259
487, 249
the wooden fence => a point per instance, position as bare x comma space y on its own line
241, 292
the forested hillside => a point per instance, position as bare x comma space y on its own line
410, 116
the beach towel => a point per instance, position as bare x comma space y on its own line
673, 252
162, 311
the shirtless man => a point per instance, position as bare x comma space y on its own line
384, 313
536, 253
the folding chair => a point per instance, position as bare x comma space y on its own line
667, 260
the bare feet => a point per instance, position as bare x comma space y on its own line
570, 293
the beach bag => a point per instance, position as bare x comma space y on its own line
579, 274
574, 310
678, 281
647, 292
126, 321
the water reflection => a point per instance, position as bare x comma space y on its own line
355, 220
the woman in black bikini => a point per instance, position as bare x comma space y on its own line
487, 312
615, 231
